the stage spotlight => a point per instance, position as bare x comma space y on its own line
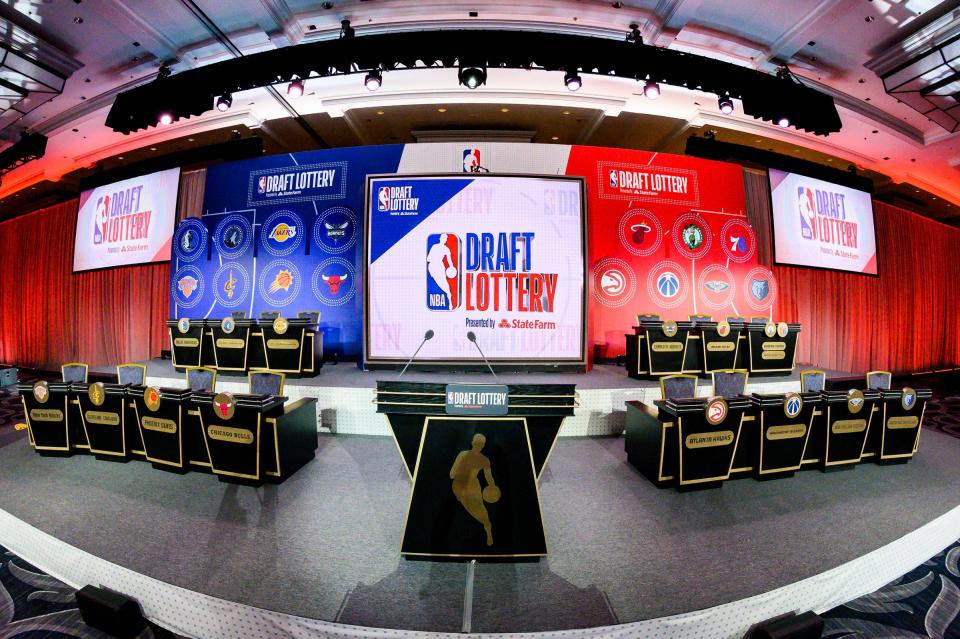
472, 77
726, 105
224, 102
373, 80
573, 81
651, 89
634, 34
295, 88
783, 122
166, 117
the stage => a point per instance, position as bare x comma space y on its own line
324, 546
345, 393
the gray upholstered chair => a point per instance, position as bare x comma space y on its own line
200, 378
135, 374
812, 381
729, 383
700, 318
266, 383
736, 318
239, 315
760, 318
879, 380
678, 386
269, 315
647, 317
74, 372
313, 316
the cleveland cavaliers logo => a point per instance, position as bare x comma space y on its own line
96, 393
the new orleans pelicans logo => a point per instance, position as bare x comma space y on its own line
41, 392
151, 398
908, 398
224, 405
855, 401
792, 405
716, 410
96, 393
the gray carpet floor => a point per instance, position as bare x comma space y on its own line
325, 543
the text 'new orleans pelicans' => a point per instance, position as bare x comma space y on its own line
496, 273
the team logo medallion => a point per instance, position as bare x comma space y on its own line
692, 236
282, 233
614, 282
782, 329
335, 230
96, 393
280, 325
233, 236
151, 397
723, 328
792, 405
228, 324
769, 329
640, 232
669, 328
855, 401
224, 405
908, 398
183, 325
716, 410
41, 392
738, 240
717, 286
190, 239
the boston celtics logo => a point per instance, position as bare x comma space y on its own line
692, 236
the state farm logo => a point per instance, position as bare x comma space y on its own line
503, 324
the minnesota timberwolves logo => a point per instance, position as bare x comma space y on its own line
792, 405
190, 239
233, 235
443, 272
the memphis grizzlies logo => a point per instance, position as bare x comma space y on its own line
443, 272
759, 289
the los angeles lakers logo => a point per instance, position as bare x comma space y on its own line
280, 325
283, 232
96, 393
41, 392
716, 410
792, 405
224, 405
151, 397
670, 328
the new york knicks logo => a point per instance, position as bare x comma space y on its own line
383, 198
807, 211
471, 160
443, 272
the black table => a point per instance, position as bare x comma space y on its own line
187, 338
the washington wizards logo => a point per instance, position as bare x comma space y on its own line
668, 284
792, 405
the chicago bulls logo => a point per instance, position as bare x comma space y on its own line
334, 282
224, 405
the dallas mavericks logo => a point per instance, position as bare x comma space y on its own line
443, 272
471, 160
759, 289
188, 241
807, 211
668, 284
100, 220
383, 198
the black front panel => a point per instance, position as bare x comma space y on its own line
104, 423
186, 346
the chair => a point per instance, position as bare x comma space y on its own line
730, 383
313, 316
736, 318
74, 372
269, 315
700, 318
266, 383
812, 381
200, 378
135, 374
879, 380
647, 317
678, 387
761, 318
239, 315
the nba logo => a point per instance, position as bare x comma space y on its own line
443, 272
383, 198
262, 185
807, 210
471, 160
613, 179
100, 222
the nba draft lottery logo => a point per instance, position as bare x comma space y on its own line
190, 239
282, 233
443, 272
334, 281
335, 230
823, 218
614, 282
397, 200
471, 160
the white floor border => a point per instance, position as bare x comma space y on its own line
197, 615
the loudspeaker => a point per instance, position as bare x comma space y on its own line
808, 625
110, 612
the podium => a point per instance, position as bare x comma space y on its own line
720, 344
901, 413
848, 416
45, 408
773, 347
255, 438
291, 345
785, 425
230, 338
449, 446
186, 342
102, 413
657, 347
160, 414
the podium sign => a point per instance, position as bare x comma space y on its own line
102, 415
902, 419
786, 422
45, 408
186, 341
849, 417
773, 347
481, 400
160, 415
230, 338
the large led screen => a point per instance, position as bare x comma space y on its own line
821, 224
127, 222
499, 256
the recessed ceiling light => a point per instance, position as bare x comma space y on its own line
555, 138
504, 110
442, 110
153, 148
379, 112
566, 113
78, 20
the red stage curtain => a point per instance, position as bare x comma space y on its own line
905, 320
50, 315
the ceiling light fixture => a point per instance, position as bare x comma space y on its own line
573, 81
224, 102
295, 88
374, 80
726, 105
165, 118
651, 89
783, 122
472, 77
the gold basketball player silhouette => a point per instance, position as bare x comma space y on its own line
466, 483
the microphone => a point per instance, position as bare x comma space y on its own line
426, 337
473, 338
